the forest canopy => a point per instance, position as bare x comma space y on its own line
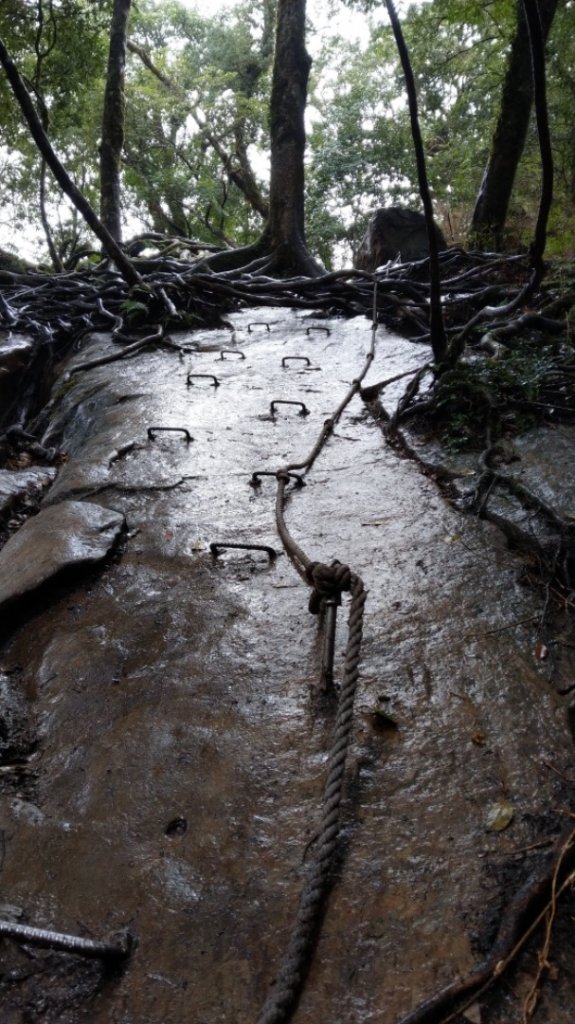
195, 149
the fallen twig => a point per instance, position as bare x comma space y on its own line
543, 965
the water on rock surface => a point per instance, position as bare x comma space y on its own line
183, 738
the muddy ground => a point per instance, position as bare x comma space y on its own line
164, 738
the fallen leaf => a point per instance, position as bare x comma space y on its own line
453, 538
478, 737
540, 651
499, 816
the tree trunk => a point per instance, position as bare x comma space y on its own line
510, 134
285, 229
113, 122
282, 247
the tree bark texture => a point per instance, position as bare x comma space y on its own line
286, 223
113, 121
282, 246
508, 142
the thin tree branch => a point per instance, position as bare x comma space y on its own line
436, 326
242, 177
129, 273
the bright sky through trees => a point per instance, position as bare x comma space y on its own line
326, 16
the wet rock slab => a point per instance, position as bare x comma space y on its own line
545, 467
65, 536
182, 737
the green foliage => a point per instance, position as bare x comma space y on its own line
189, 136
508, 394
62, 66
362, 150
215, 87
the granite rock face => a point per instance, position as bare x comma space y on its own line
65, 536
392, 233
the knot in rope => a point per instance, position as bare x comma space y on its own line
328, 582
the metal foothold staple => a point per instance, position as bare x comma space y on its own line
48, 939
216, 547
208, 376
330, 609
325, 329
256, 482
301, 358
284, 401
152, 431
232, 352
258, 323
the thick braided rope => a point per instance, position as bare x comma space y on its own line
288, 985
327, 581
298, 557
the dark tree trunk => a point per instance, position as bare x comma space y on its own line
510, 133
283, 239
113, 121
42, 49
285, 229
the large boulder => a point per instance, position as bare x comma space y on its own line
395, 233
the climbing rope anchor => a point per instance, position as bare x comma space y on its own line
329, 627
325, 599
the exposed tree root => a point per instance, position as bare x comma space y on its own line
174, 293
